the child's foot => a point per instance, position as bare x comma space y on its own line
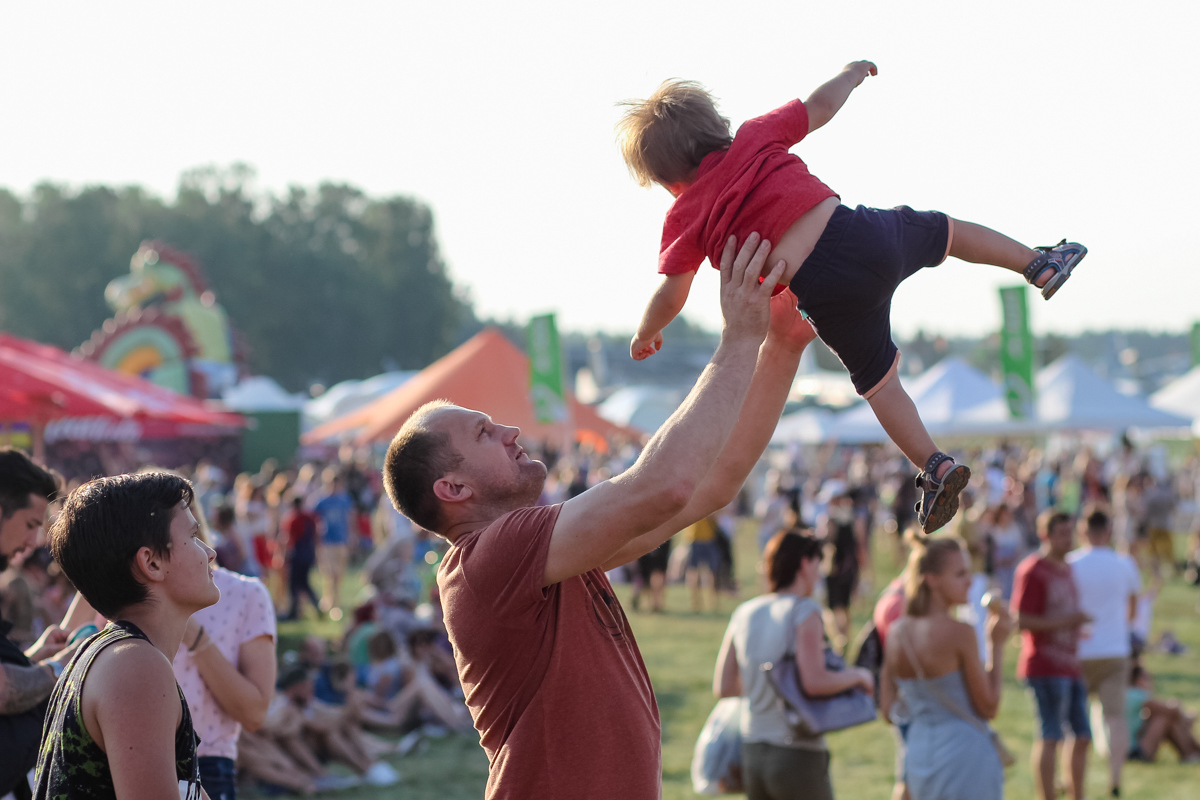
940, 483
1053, 265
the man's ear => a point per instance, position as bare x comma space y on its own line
148, 566
448, 490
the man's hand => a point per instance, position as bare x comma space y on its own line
642, 347
1078, 619
789, 328
860, 70
745, 302
52, 640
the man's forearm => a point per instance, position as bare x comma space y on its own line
22, 688
684, 449
756, 423
1033, 622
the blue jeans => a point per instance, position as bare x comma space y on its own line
218, 776
1061, 702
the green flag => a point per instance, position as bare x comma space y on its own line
1195, 344
545, 371
1016, 352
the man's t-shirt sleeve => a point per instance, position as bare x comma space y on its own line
507, 562
787, 125
1029, 592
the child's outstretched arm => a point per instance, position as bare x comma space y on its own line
665, 305
830, 96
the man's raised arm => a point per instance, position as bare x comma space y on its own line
599, 522
778, 360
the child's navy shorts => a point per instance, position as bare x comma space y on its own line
845, 286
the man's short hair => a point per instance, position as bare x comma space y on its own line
1049, 519
1097, 522
665, 137
415, 460
103, 525
21, 477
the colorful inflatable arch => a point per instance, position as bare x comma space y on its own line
168, 326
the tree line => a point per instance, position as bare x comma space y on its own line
324, 284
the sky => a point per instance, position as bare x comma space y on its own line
1042, 120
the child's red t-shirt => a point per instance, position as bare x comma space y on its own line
755, 185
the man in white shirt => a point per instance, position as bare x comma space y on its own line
1108, 584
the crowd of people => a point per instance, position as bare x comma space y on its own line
279, 716
1054, 548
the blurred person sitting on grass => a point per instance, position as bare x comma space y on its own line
118, 725
309, 729
1153, 721
405, 689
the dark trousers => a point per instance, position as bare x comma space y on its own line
218, 776
298, 585
771, 772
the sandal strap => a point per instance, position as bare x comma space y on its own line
1036, 267
927, 478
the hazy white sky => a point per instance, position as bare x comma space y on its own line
1043, 120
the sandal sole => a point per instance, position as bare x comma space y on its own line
946, 504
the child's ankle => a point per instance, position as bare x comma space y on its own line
943, 468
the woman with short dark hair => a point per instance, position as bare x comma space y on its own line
777, 763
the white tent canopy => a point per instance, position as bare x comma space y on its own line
347, 396
643, 407
942, 395
260, 393
1181, 396
807, 426
1070, 397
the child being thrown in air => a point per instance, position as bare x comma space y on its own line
842, 264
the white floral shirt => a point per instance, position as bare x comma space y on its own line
244, 612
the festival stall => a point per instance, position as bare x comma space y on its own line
86, 419
273, 415
487, 373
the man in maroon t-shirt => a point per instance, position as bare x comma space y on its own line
549, 665
1046, 604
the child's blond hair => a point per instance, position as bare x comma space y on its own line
664, 137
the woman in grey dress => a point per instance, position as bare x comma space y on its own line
932, 667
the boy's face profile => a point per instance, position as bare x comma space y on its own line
188, 573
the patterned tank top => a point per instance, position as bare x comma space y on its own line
71, 766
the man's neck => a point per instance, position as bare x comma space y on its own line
162, 623
1048, 554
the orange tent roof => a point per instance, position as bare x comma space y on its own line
487, 373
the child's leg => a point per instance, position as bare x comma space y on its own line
896, 413
981, 245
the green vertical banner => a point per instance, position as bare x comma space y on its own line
1196, 344
1016, 352
546, 371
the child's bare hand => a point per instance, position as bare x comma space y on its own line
861, 70
642, 349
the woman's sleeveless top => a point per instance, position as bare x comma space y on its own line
71, 766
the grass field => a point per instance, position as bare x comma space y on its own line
680, 648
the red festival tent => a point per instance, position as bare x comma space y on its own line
487, 373
63, 397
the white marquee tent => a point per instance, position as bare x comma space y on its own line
1181, 396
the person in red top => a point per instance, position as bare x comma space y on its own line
843, 265
300, 528
1046, 604
549, 666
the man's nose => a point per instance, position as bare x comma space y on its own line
511, 433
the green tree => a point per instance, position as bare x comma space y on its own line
324, 284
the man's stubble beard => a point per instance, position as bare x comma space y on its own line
522, 492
